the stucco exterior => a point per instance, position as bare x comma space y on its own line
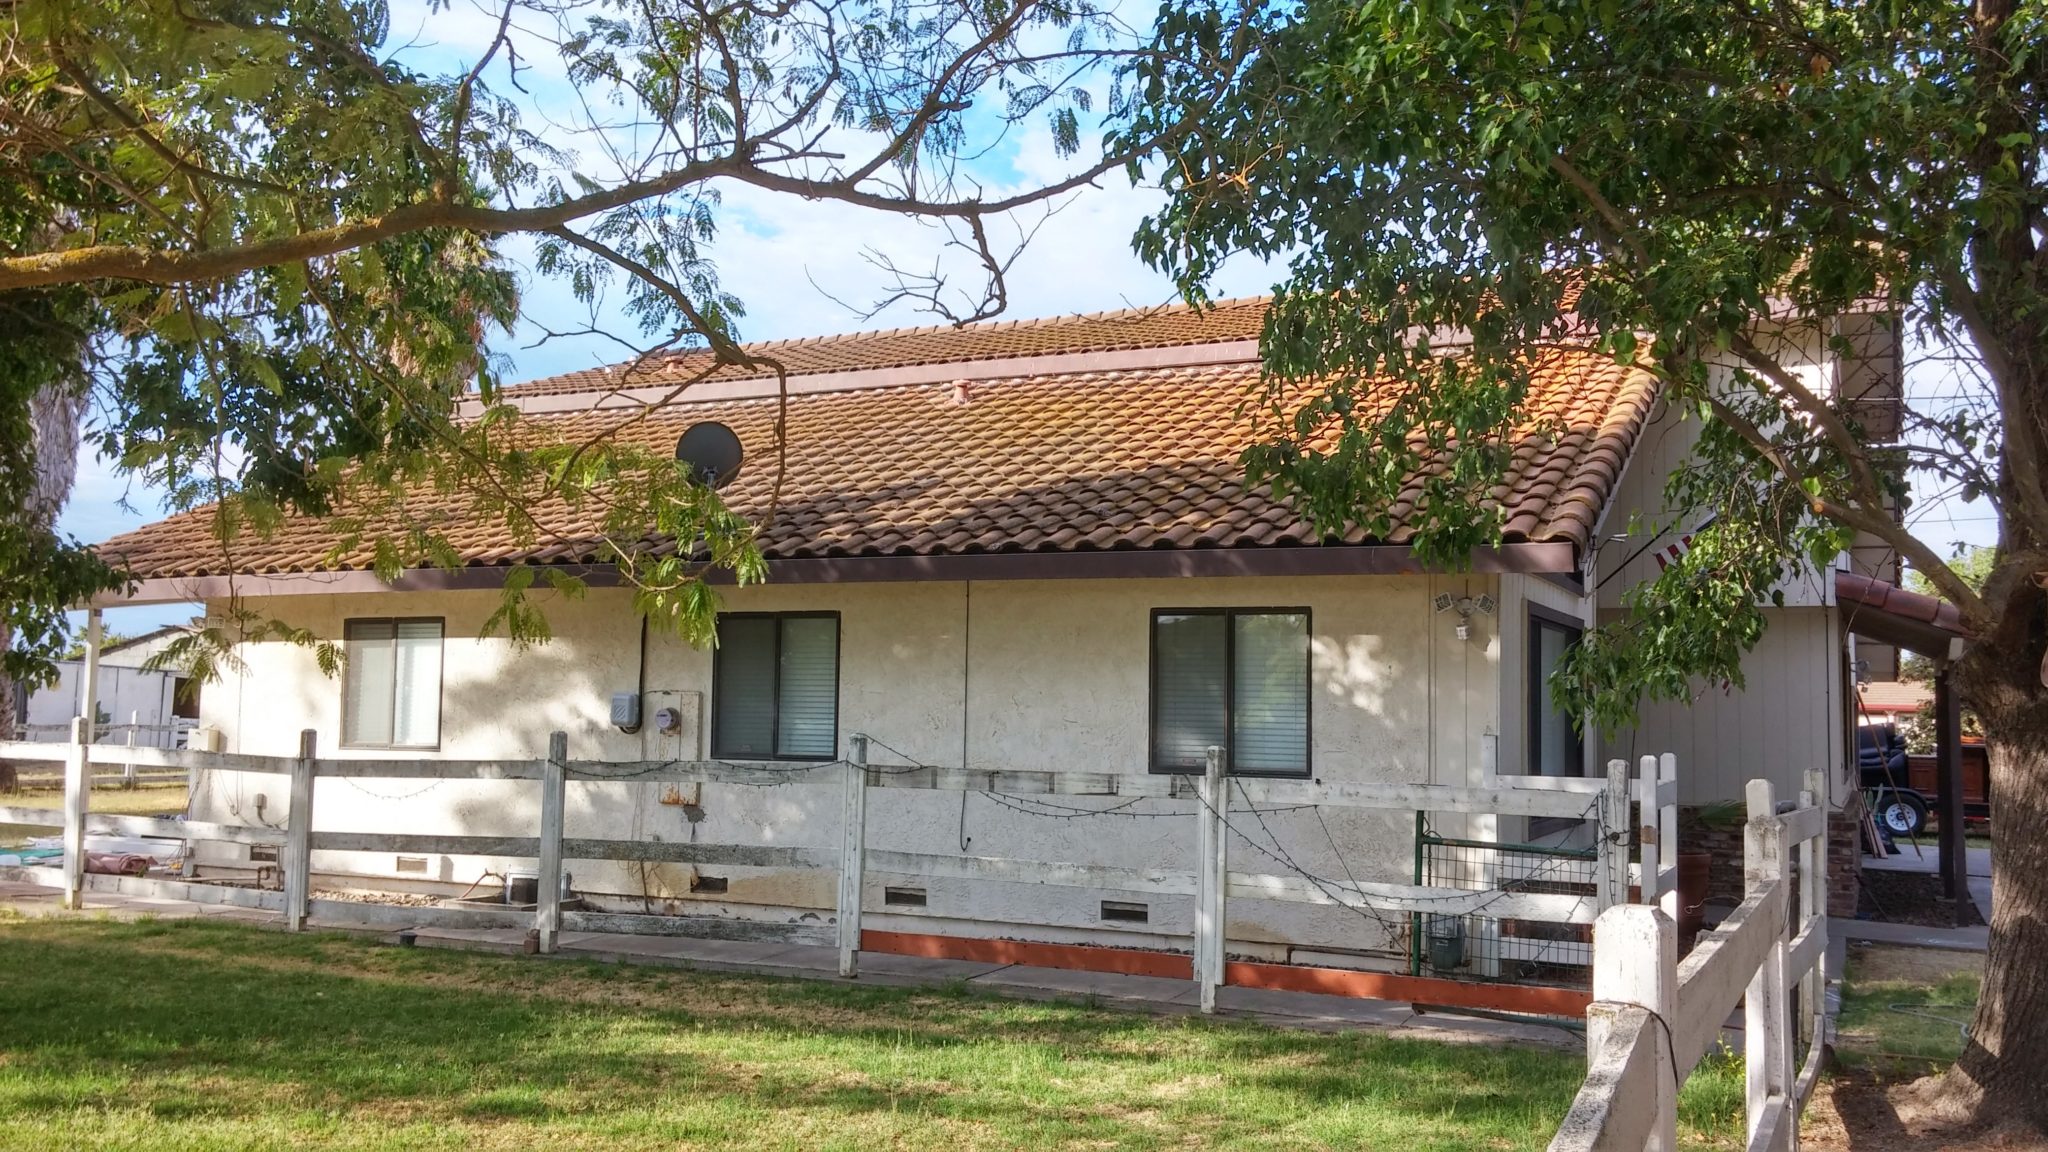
1034, 675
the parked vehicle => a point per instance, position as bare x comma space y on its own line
1901, 788
1899, 808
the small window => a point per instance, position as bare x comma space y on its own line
1555, 746
391, 687
1234, 679
775, 687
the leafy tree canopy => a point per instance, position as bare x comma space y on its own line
1696, 187
270, 242
1686, 185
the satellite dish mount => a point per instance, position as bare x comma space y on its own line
711, 451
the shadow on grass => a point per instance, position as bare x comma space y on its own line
222, 1027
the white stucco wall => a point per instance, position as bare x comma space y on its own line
1049, 675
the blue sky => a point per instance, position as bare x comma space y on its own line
793, 263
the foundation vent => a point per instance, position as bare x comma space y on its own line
413, 865
262, 853
903, 897
1126, 912
703, 883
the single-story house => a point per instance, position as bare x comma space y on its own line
1018, 545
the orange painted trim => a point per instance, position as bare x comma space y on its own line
1072, 957
1276, 977
1409, 989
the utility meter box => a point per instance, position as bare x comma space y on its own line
626, 710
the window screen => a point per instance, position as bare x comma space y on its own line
391, 687
1237, 680
775, 688
1554, 745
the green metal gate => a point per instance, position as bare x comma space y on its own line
1498, 949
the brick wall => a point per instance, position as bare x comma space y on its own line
1845, 857
1723, 839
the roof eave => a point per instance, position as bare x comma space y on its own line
1542, 558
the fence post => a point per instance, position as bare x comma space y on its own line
298, 837
853, 839
554, 796
128, 772
89, 678
1813, 866
1212, 870
1767, 1058
1649, 833
1612, 841
1635, 961
1667, 831
77, 800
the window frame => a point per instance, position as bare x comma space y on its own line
775, 705
1535, 699
1229, 614
440, 681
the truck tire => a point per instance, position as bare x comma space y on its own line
1902, 813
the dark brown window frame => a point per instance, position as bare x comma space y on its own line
1307, 770
440, 681
1535, 696
1536, 700
775, 722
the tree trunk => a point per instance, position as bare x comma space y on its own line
10, 778
2002, 1077
54, 412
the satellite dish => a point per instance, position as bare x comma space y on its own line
711, 452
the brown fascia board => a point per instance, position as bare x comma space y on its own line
1548, 559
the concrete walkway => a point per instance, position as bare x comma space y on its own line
1975, 939
1145, 993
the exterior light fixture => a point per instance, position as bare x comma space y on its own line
1464, 606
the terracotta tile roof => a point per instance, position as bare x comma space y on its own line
1166, 326
1886, 612
1125, 459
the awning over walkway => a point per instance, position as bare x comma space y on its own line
1889, 614
1931, 626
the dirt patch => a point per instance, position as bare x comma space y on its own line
1864, 1112
1912, 898
1886, 964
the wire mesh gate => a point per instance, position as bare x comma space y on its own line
1499, 949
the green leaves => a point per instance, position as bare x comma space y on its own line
1695, 188
298, 219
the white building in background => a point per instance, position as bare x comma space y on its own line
153, 704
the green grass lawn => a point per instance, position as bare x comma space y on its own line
205, 1035
1903, 1008
145, 800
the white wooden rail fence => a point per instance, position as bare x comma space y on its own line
1211, 883
1654, 1019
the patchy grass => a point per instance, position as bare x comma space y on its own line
1903, 1008
205, 1035
144, 800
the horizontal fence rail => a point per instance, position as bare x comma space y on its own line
1211, 795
